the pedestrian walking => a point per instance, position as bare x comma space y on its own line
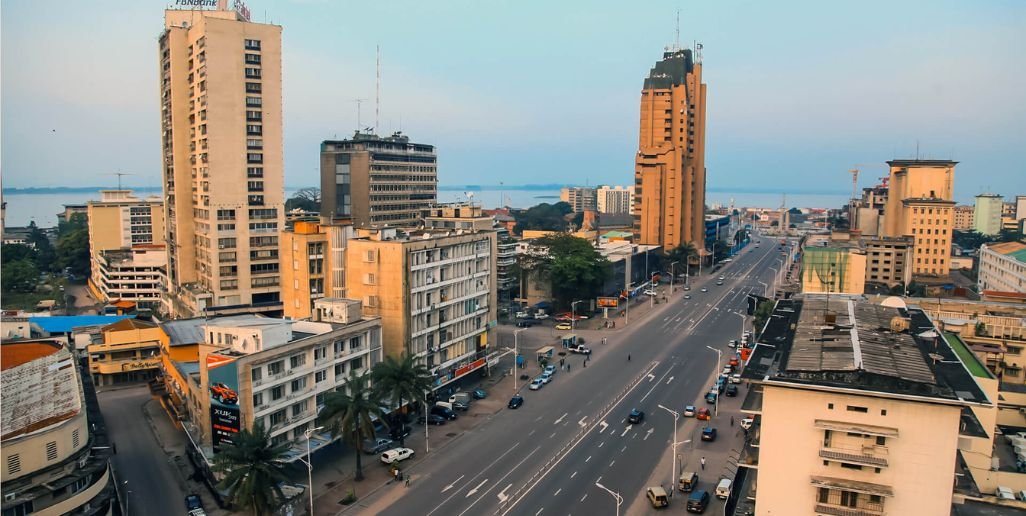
585, 362
568, 368
703, 463
407, 481
731, 420
628, 357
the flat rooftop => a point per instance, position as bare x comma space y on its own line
40, 387
847, 342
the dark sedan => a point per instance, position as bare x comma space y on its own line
516, 401
432, 419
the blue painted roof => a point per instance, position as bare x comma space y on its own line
64, 323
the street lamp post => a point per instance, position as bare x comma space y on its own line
427, 442
573, 314
741, 335
687, 271
672, 274
616, 496
765, 288
673, 451
719, 360
309, 463
774, 280
627, 311
516, 356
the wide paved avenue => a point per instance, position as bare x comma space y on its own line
546, 456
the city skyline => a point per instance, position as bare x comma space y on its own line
864, 94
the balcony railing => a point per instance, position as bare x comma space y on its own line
874, 456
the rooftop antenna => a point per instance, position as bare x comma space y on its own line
359, 104
119, 174
676, 38
917, 150
377, 89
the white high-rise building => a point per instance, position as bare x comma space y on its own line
615, 199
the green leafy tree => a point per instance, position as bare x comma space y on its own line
682, 253
575, 269
17, 252
306, 199
970, 239
253, 470
543, 217
400, 380
722, 250
19, 276
762, 314
347, 413
73, 249
38, 240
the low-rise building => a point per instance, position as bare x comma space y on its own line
125, 352
434, 291
313, 264
54, 447
861, 409
1003, 267
834, 266
276, 372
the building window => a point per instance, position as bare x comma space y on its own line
275, 368
254, 172
252, 73
252, 44
258, 399
254, 116
277, 392
253, 59
298, 384
297, 361
255, 186
853, 408
254, 130
320, 376
253, 87
277, 418
256, 200
299, 408
253, 101
254, 143
255, 157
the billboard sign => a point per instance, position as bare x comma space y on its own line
225, 421
607, 302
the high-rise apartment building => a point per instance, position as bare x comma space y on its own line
221, 121
964, 217
860, 409
669, 173
987, 216
920, 206
580, 198
377, 181
615, 200
126, 248
434, 290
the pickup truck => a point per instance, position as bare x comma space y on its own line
580, 349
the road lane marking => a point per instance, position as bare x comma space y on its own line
625, 430
473, 491
651, 377
497, 482
502, 495
649, 433
624, 448
560, 490
553, 435
670, 380
583, 497
586, 460
603, 426
611, 463
599, 479
601, 443
539, 511
450, 486
574, 474
439, 506
532, 432
560, 420
660, 380
581, 422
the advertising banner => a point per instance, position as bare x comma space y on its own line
225, 422
607, 302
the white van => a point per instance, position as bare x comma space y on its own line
723, 488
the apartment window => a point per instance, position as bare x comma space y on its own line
51, 450
226, 227
298, 384
320, 353
277, 418
275, 368
252, 73
254, 143
265, 214
253, 101
225, 214
255, 157
252, 44
258, 399
297, 361
299, 408
263, 268
254, 116
253, 59
277, 392
256, 200
254, 130
354, 343
340, 370
253, 87
320, 376
255, 171
853, 408
256, 374
225, 243
255, 186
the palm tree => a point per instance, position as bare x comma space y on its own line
401, 379
682, 253
347, 412
253, 470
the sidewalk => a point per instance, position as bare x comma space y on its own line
335, 467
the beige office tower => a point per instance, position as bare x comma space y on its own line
920, 205
669, 173
221, 122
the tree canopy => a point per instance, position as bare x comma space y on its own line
306, 199
574, 268
543, 217
253, 471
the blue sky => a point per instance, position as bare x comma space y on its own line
543, 92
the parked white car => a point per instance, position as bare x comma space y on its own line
395, 455
746, 423
522, 315
735, 378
